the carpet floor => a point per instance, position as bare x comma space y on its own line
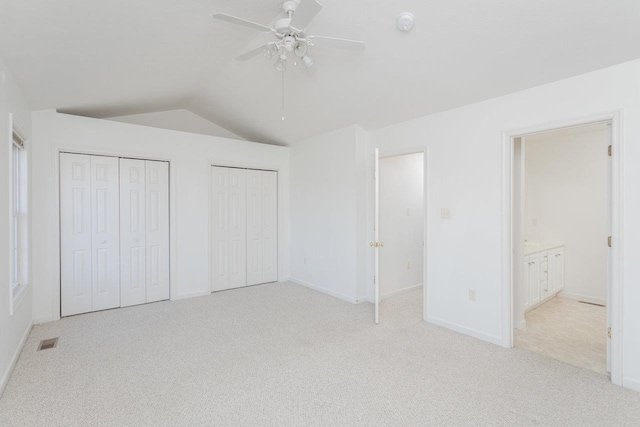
284, 355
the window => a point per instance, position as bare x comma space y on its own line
18, 218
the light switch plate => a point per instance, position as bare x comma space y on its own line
472, 294
445, 213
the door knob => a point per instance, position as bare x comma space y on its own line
136, 240
103, 241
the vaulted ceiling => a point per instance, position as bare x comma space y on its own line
117, 57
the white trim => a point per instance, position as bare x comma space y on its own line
493, 339
583, 298
400, 291
325, 291
191, 295
14, 359
617, 212
631, 384
43, 320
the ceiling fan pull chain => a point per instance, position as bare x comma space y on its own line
283, 95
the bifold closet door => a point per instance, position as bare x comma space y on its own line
144, 231
89, 233
132, 232
262, 227
157, 236
229, 228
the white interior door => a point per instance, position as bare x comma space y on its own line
75, 234
132, 232
262, 227
157, 235
237, 217
105, 248
609, 252
376, 232
229, 228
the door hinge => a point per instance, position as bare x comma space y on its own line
374, 227
374, 279
609, 331
609, 241
609, 150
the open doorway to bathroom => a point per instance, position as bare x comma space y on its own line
401, 221
562, 223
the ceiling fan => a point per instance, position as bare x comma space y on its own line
291, 38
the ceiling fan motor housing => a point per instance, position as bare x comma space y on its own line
290, 6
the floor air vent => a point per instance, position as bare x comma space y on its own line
47, 344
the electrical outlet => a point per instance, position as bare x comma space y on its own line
534, 222
305, 261
472, 294
445, 213
408, 265
408, 211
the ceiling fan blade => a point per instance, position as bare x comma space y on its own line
304, 14
336, 43
248, 55
242, 22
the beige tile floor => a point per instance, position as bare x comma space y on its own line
569, 331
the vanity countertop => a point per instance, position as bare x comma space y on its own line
540, 247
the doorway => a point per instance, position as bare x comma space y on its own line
561, 245
401, 230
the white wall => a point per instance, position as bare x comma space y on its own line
180, 120
401, 222
566, 197
191, 156
13, 328
464, 173
325, 202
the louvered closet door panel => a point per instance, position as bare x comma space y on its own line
237, 215
269, 226
254, 227
75, 234
105, 232
157, 237
132, 232
220, 229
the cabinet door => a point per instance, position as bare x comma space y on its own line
75, 234
157, 235
526, 290
559, 267
132, 232
105, 232
534, 280
552, 281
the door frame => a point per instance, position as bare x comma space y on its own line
56, 299
615, 304
248, 166
425, 201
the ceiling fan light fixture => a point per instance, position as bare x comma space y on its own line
300, 49
281, 63
307, 61
267, 52
405, 21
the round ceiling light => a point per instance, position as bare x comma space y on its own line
405, 21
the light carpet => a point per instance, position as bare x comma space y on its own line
285, 355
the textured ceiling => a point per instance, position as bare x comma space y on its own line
116, 57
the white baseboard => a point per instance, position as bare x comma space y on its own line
585, 298
191, 295
364, 299
464, 330
521, 324
631, 384
42, 320
325, 291
14, 359
400, 291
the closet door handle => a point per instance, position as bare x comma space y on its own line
103, 241
136, 240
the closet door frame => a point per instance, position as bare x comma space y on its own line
258, 167
56, 299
